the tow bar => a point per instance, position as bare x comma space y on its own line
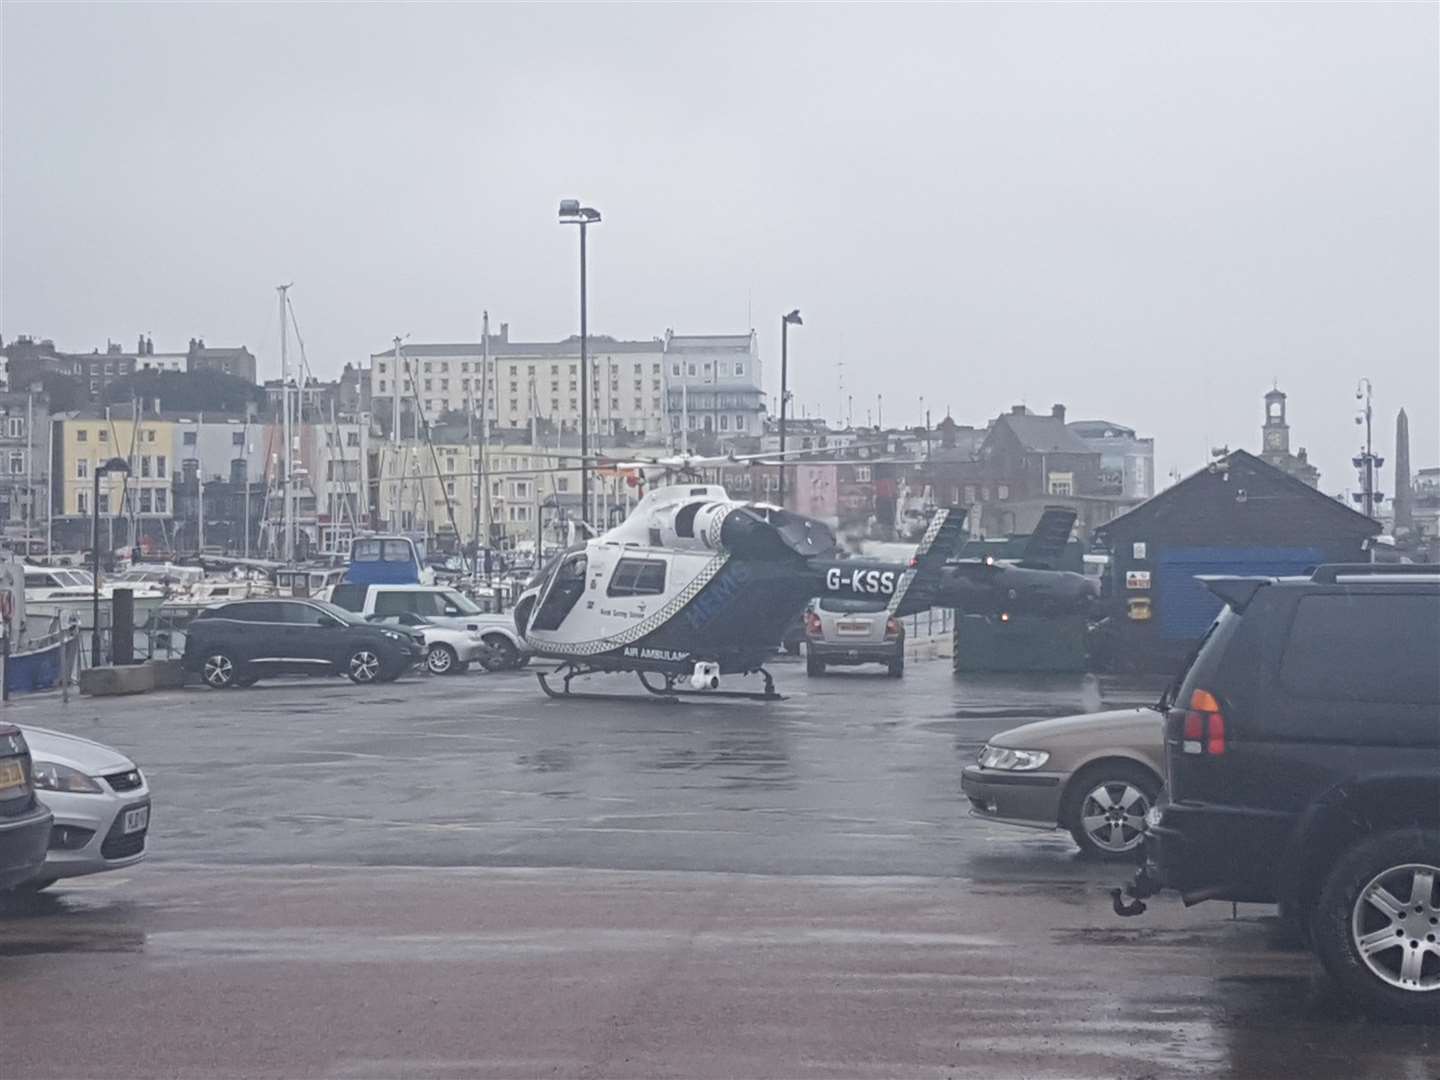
1144, 885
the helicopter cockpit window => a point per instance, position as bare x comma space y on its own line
637, 577
685, 519
564, 592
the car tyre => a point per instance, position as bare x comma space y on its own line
363, 666
1360, 913
1114, 831
792, 648
896, 667
813, 666
504, 654
441, 659
220, 671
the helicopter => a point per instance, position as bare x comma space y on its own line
694, 585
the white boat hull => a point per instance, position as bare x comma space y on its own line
81, 608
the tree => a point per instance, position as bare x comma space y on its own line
187, 391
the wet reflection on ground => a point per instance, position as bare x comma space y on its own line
621, 889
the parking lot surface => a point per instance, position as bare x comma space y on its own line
460, 877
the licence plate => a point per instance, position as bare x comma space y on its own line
135, 820
12, 775
855, 626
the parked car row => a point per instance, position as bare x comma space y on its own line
1294, 760
68, 807
384, 632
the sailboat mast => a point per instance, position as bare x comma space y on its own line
286, 515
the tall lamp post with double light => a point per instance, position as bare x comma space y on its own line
785, 321
572, 213
114, 465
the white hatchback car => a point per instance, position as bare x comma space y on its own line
449, 650
100, 801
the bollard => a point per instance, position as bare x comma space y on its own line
122, 627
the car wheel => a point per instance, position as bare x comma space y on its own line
219, 671
1376, 926
792, 648
441, 659
897, 667
364, 666
504, 654
814, 666
1105, 808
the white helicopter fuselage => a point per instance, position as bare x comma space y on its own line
663, 589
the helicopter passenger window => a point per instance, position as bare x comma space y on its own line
637, 577
685, 519
565, 591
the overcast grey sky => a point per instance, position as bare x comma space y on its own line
1145, 211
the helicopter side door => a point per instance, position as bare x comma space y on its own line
566, 588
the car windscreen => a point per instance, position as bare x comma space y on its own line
461, 601
842, 605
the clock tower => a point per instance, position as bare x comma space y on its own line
1275, 442
1276, 431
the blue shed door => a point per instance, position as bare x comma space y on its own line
1185, 607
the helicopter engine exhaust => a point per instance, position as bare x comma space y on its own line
706, 676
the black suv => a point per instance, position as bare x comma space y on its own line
1302, 752
236, 644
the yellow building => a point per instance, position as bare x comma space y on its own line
83, 443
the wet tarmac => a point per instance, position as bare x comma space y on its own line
458, 877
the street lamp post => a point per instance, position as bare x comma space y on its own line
572, 213
785, 321
114, 465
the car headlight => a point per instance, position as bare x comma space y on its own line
1001, 757
52, 776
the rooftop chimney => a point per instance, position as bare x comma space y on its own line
1017, 410
505, 331
1058, 412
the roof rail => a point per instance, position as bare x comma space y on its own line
1329, 573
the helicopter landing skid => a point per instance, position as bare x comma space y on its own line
672, 691
571, 671
668, 694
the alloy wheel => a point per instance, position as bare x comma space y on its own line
364, 666
1113, 815
1399, 939
219, 672
439, 659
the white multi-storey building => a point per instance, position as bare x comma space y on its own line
714, 385
526, 380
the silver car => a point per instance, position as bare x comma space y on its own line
846, 630
101, 805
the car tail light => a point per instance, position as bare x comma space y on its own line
1204, 731
892, 627
812, 624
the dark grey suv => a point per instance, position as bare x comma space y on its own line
1302, 759
237, 644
